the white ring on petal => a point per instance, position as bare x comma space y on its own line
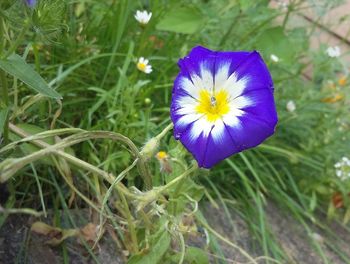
186, 85
200, 127
234, 86
218, 131
242, 102
207, 77
185, 110
221, 75
187, 120
184, 101
232, 120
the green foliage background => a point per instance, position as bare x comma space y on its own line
86, 52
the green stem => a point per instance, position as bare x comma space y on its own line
143, 168
176, 180
2, 42
176, 193
130, 223
5, 95
28, 211
17, 41
109, 191
5, 99
228, 33
71, 159
157, 192
286, 17
222, 238
165, 131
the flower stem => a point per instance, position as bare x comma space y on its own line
2, 42
165, 131
222, 238
5, 99
147, 152
109, 191
130, 223
17, 41
4, 88
176, 193
177, 179
28, 211
73, 160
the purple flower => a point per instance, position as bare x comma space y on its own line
222, 103
31, 3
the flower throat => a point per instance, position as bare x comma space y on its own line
213, 106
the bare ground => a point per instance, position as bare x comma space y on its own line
19, 245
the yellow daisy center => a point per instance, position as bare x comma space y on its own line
161, 155
213, 106
141, 66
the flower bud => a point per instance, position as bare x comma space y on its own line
148, 101
149, 150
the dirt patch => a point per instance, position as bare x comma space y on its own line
19, 245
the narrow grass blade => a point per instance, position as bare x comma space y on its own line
3, 117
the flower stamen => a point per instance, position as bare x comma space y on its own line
213, 107
213, 101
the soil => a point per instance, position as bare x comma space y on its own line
19, 245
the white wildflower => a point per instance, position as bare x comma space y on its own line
143, 17
282, 4
317, 237
143, 65
274, 58
342, 169
333, 52
291, 106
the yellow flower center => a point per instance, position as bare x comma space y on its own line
141, 66
213, 106
161, 155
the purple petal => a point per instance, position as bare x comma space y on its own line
220, 145
251, 118
31, 3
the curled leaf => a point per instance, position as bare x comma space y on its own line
55, 235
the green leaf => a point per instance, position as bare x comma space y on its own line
160, 243
274, 41
186, 20
193, 256
246, 4
3, 117
313, 201
17, 67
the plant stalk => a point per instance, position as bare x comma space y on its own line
73, 160
130, 223
17, 41
5, 99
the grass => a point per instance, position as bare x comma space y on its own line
87, 52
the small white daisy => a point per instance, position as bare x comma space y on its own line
291, 106
342, 169
143, 65
282, 4
143, 17
333, 52
274, 58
